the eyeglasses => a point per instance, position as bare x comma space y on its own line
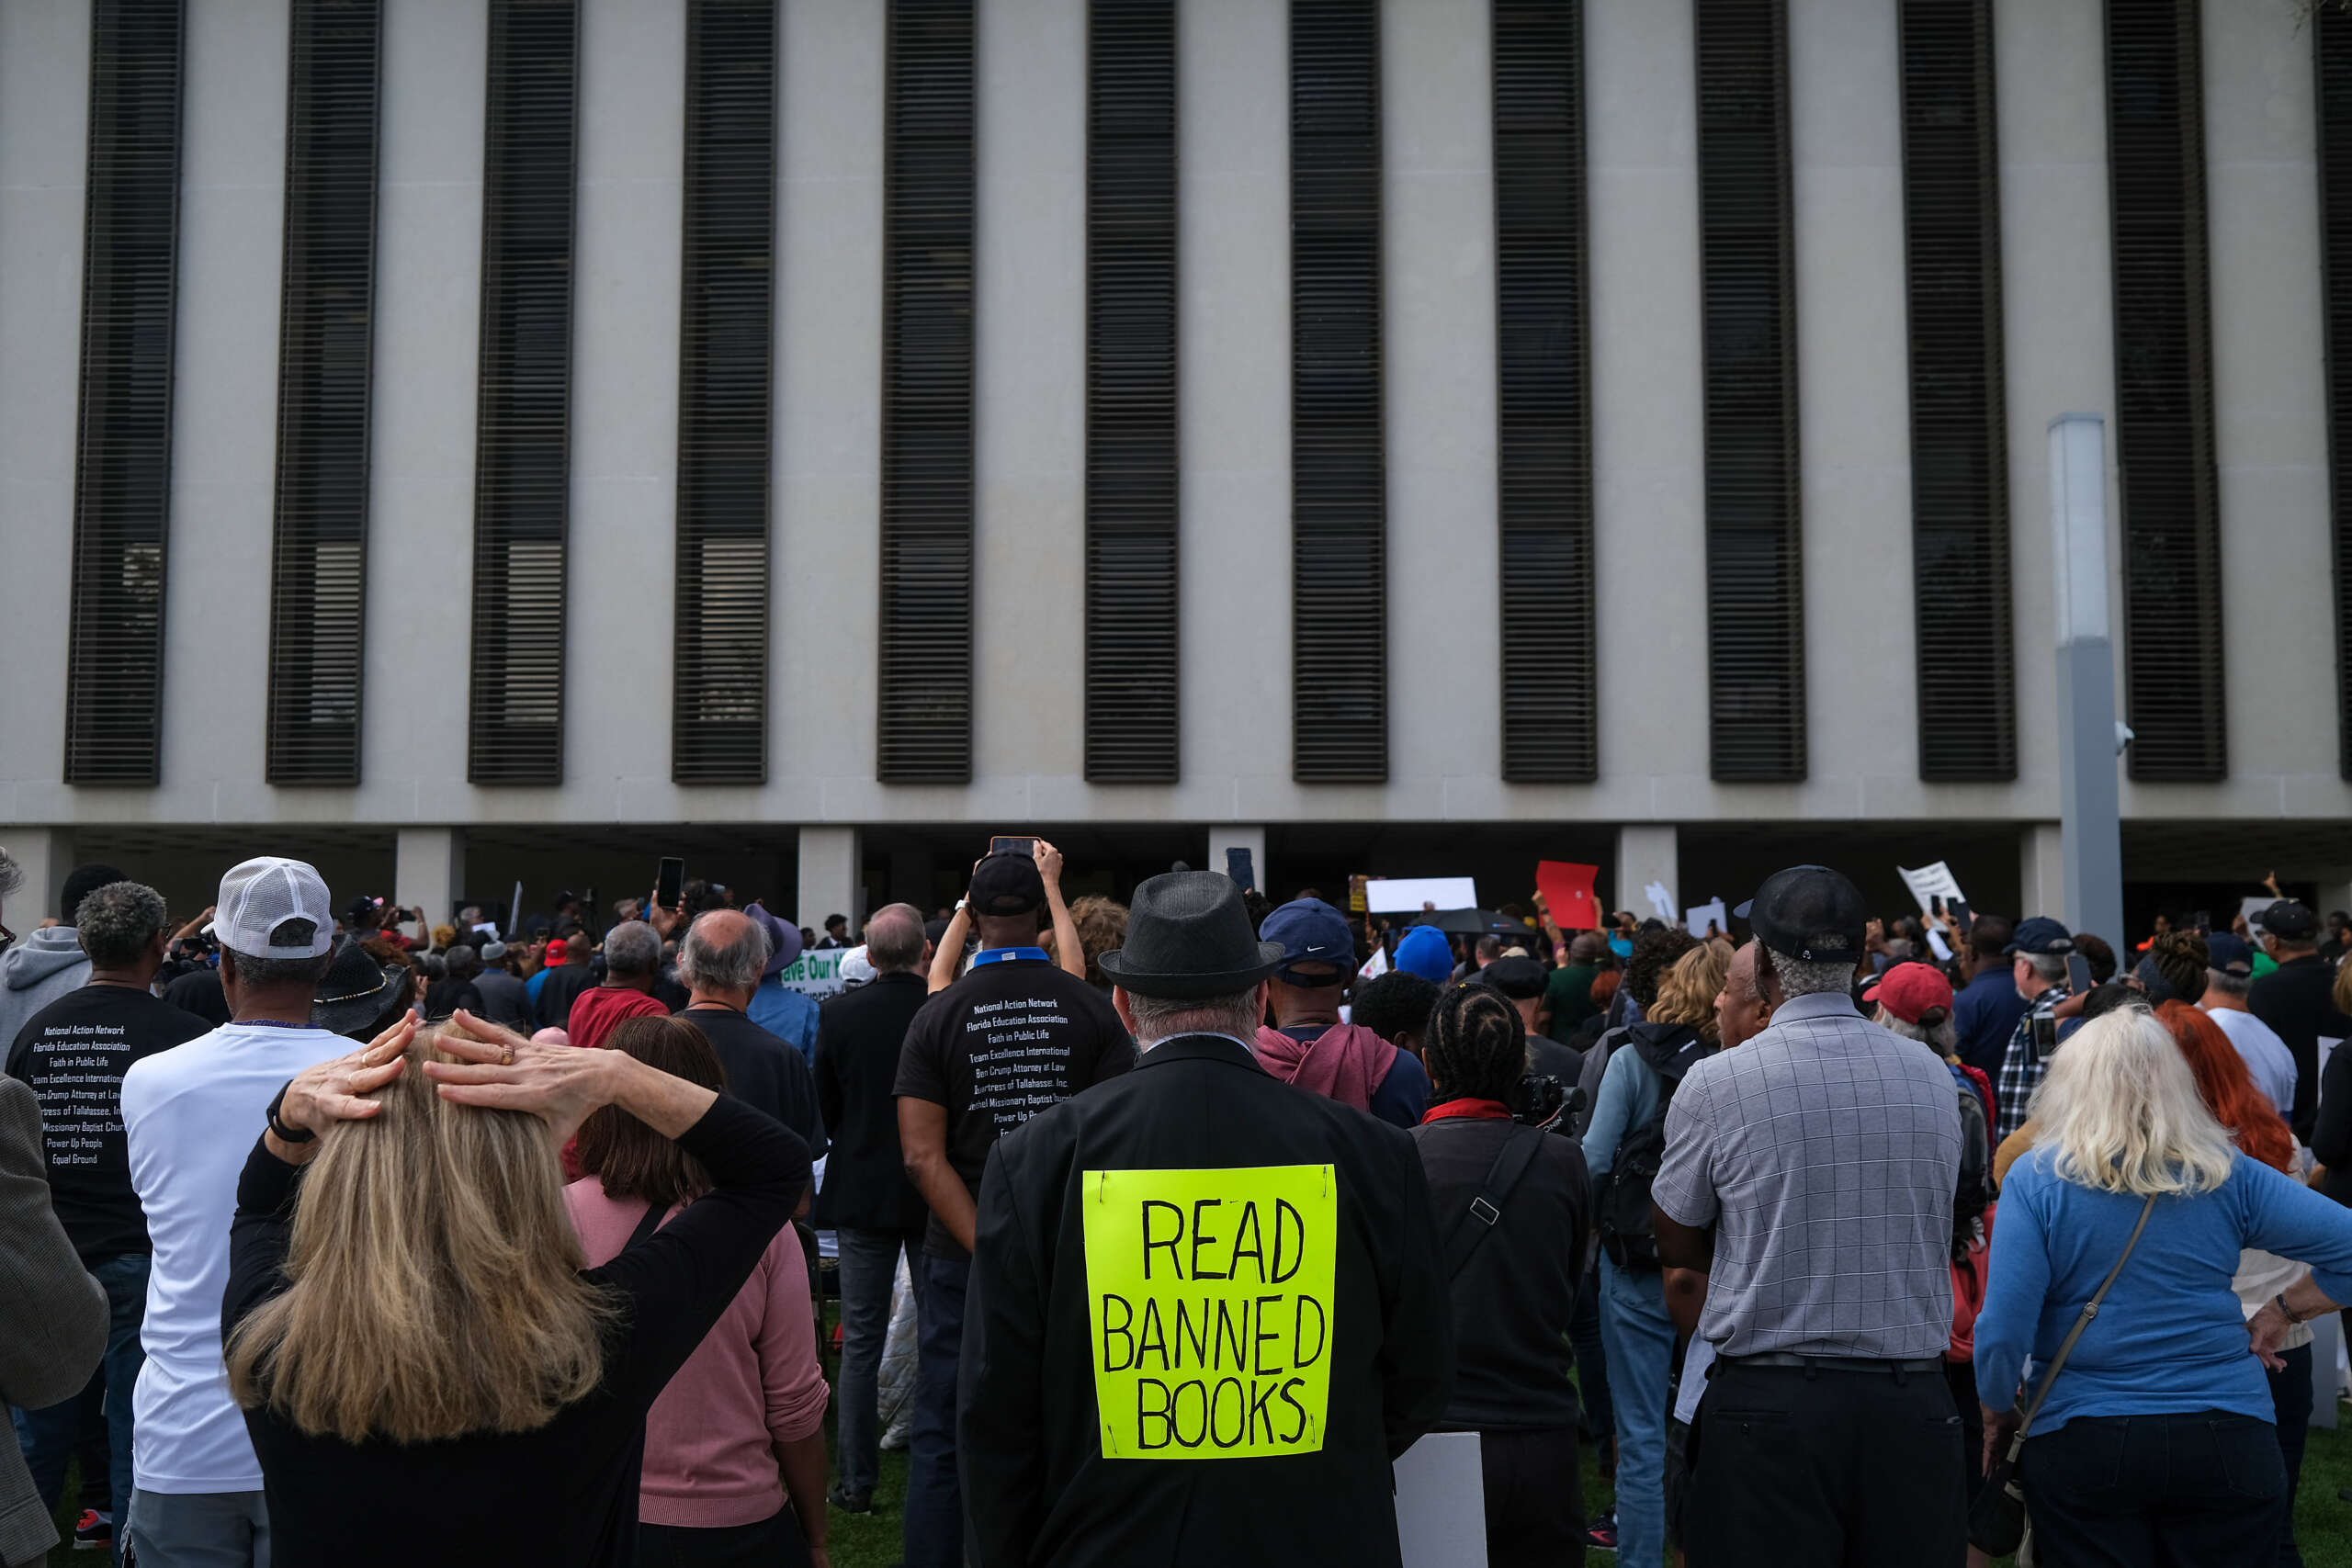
7, 939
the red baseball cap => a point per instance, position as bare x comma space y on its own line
1909, 990
558, 950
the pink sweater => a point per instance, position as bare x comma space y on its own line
752, 1384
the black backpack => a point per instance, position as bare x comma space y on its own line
1627, 1232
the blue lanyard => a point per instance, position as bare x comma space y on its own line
1008, 956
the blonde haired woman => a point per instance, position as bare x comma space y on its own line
1621, 1148
429, 1371
2155, 1444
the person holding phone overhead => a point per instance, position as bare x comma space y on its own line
947, 960
1015, 1036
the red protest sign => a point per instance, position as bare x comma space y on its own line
1568, 890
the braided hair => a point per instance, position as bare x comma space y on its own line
1477, 1045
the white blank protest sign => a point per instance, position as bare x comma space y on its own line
1406, 895
1442, 1503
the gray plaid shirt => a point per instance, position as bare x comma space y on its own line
1824, 1152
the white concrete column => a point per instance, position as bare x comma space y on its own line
1646, 852
1232, 836
828, 877
429, 870
2042, 874
43, 855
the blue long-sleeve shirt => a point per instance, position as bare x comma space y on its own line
1628, 1099
2169, 1338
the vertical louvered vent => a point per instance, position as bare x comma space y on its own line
2164, 392
2332, 29
925, 721
1755, 555
1338, 501
122, 474
522, 457
1960, 511
1549, 693
1131, 648
318, 567
719, 710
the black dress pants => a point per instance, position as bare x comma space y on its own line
2206, 1490
1534, 1497
1815, 1467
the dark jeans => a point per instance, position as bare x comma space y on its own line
774, 1542
934, 1506
2181, 1491
869, 1268
1599, 1417
1812, 1467
2291, 1402
1535, 1500
51, 1435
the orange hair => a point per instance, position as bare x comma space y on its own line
2227, 1089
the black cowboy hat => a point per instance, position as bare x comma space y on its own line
357, 994
1188, 938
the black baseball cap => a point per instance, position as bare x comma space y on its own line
1798, 907
2039, 934
1518, 979
2288, 920
1006, 884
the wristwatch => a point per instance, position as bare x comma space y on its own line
2279, 1301
286, 1134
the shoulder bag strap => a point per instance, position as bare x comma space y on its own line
2090, 1311
649, 1224
1477, 1222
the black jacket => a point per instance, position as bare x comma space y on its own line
2297, 1000
1036, 1485
859, 1036
1514, 1299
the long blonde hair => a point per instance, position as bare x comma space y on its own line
1687, 992
2121, 1109
435, 1285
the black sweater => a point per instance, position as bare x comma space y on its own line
2298, 1001
1513, 1299
566, 1493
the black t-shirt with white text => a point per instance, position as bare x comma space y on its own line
1010, 1039
73, 1053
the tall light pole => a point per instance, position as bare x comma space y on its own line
2089, 799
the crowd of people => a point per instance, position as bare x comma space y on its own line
337, 1234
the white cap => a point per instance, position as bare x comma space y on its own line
263, 895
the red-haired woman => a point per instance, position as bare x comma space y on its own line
2228, 1092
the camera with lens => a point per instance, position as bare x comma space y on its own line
1541, 1101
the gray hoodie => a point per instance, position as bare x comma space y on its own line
43, 966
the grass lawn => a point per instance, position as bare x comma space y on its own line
2322, 1518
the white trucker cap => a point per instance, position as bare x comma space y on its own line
258, 900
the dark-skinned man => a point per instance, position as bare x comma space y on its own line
1307, 1045
1827, 1433
187, 1114
1207, 1311
73, 1053
1014, 1036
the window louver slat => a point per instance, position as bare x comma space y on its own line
522, 457
1960, 520
1755, 555
1131, 518
719, 709
926, 720
1338, 478
2332, 54
318, 571
2163, 393
1550, 717
123, 453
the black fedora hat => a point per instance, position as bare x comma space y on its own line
357, 993
1189, 937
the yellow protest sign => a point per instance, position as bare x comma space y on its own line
1209, 1305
